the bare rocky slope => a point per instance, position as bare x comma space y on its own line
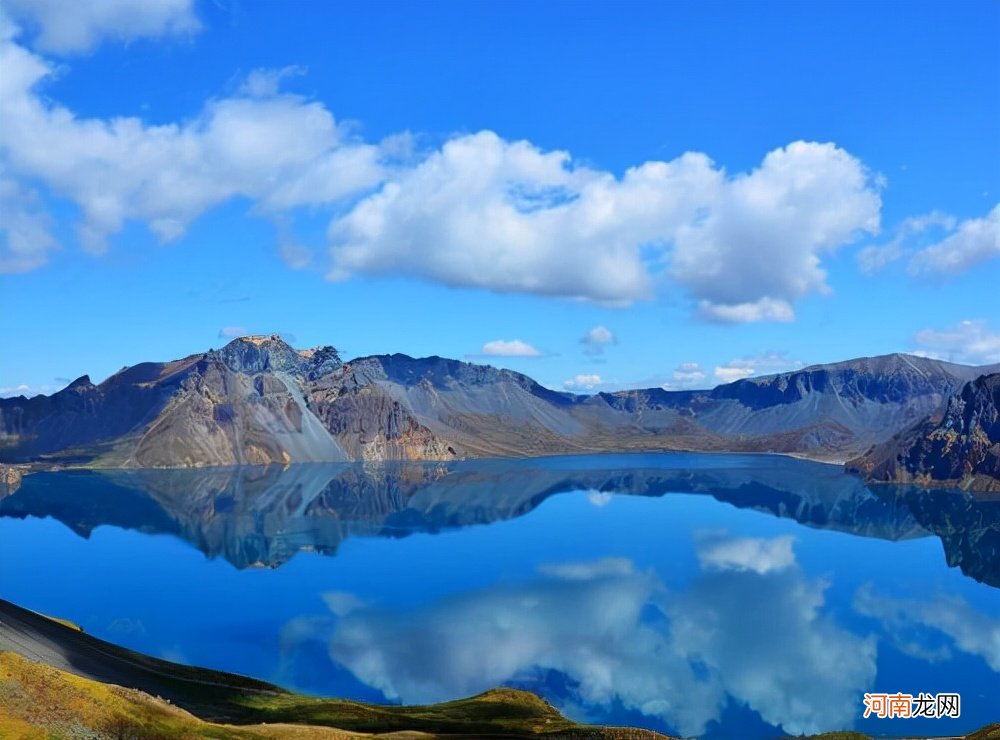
961, 448
257, 400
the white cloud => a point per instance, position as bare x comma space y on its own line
767, 362
79, 26
15, 390
975, 241
758, 634
728, 374
279, 151
686, 375
757, 247
511, 348
266, 83
25, 229
972, 342
28, 391
763, 309
595, 340
479, 211
874, 258
509, 217
587, 381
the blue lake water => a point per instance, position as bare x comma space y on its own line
719, 596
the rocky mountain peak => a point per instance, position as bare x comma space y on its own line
321, 361
82, 382
261, 353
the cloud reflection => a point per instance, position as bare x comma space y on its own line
750, 628
967, 628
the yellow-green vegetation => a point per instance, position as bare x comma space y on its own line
991, 732
37, 701
496, 712
65, 623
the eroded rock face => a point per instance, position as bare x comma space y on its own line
371, 425
257, 400
961, 449
10, 479
258, 354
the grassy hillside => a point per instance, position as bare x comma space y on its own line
56, 681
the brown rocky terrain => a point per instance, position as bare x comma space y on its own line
10, 479
259, 401
959, 448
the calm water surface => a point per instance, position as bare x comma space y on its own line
717, 596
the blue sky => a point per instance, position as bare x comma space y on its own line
601, 195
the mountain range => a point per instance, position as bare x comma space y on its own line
259, 401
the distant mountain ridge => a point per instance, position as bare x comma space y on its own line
259, 401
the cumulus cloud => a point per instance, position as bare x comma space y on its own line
478, 211
757, 634
280, 151
876, 257
686, 375
974, 241
597, 339
509, 348
972, 342
586, 381
66, 27
509, 217
757, 248
767, 362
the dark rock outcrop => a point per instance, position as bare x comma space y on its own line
961, 448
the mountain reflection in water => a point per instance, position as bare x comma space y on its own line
262, 516
720, 596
